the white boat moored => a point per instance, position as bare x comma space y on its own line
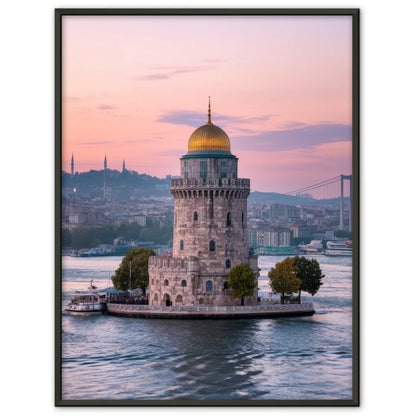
339, 248
85, 303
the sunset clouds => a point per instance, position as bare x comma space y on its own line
136, 87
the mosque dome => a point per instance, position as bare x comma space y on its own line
209, 139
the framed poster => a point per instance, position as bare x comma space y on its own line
207, 207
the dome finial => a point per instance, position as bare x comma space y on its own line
209, 110
209, 138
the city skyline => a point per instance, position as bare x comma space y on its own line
136, 87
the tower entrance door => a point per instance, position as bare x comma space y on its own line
166, 300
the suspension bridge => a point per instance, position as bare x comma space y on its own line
332, 188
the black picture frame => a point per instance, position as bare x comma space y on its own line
355, 14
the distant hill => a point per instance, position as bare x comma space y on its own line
276, 198
127, 185
120, 185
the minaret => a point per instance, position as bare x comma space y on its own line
72, 166
124, 166
105, 169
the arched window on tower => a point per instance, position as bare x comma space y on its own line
181, 245
166, 283
228, 219
183, 283
212, 245
208, 286
227, 263
226, 286
195, 216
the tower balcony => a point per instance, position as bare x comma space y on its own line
192, 183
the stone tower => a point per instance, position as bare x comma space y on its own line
210, 226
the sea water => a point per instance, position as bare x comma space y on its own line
298, 358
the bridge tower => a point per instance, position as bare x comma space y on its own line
341, 214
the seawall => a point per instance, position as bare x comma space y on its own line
211, 312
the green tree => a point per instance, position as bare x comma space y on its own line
106, 233
129, 231
343, 234
66, 238
283, 278
82, 237
242, 281
139, 258
310, 273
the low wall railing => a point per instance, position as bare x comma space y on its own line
122, 307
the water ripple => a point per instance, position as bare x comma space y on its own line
107, 357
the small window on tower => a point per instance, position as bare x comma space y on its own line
195, 216
223, 168
203, 169
208, 286
181, 245
212, 245
185, 174
228, 219
227, 263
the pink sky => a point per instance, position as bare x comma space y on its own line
136, 87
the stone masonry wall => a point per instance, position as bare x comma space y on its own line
179, 281
212, 228
209, 237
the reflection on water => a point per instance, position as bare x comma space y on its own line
106, 357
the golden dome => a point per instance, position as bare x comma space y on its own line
209, 137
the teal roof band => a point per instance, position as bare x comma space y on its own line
208, 153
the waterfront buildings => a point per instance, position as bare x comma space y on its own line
268, 237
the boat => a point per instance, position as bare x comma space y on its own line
339, 248
314, 247
86, 303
